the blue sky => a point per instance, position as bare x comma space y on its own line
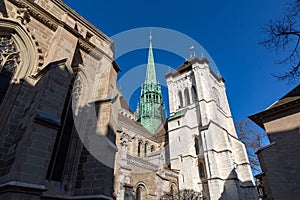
228, 30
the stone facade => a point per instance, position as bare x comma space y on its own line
62, 119
203, 144
279, 160
48, 51
142, 159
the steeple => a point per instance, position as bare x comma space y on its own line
151, 112
150, 74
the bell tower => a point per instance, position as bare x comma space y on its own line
151, 112
203, 144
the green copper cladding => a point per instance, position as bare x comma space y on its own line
151, 111
150, 75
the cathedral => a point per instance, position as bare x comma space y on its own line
67, 132
195, 149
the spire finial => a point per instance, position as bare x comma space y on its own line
191, 51
150, 74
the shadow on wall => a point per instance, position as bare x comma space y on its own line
41, 152
3, 11
280, 165
235, 189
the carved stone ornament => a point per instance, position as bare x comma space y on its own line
23, 15
33, 11
9, 55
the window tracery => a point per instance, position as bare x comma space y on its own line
9, 61
9, 54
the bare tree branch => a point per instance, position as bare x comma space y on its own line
283, 36
253, 140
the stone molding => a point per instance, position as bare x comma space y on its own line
27, 44
139, 162
53, 23
34, 11
91, 49
22, 187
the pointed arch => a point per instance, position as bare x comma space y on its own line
141, 191
180, 99
216, 96
186, 97
139, 149
25, 44
194, 94
152, 148
145, 149
81, 90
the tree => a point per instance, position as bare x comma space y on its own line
186, 194
253, 140
283, 36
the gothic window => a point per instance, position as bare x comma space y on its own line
152, 148
9, 60
216, 96
196, 146
186, 97
139, 148
180, 99
145, 150
59, 154
194, 94
77, 90
138, 194
201, 169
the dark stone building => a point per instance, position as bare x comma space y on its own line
54, 62
280, 162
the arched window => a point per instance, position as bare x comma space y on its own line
216, 96
139, 149
5, 78
8, 63
196, 146
145, 149
194, 94
138, 194
201, 169
152, 148
180, 99
186, 97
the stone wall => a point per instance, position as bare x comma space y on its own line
59, 50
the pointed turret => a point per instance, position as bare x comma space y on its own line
152, 112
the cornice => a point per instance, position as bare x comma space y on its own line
36, 12
82, 20
91, 49
53, 23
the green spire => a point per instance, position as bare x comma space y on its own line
152, 112
150, 74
